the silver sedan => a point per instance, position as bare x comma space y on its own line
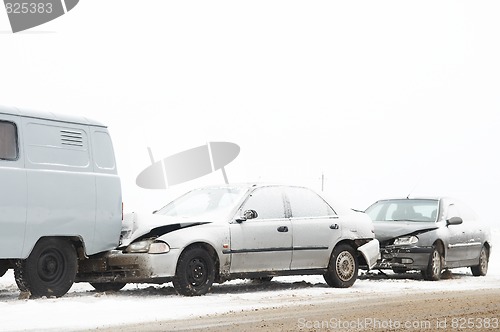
220, 233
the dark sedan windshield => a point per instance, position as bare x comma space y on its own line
418, 210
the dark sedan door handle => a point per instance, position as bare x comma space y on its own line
283, 229
334, 226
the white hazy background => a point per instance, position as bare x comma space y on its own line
382, 97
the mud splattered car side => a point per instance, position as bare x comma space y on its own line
220, 233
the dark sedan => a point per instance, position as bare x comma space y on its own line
430, 235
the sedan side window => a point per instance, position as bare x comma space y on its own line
8, 141
268, 202
305, 203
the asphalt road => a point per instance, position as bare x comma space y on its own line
467, 310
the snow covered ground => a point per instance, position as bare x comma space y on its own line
84, 308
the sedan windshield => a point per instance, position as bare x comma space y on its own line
206, 201
418, 210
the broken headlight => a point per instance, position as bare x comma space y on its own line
406, 240
148, 246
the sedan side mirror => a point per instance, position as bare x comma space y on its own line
247, 215
454, 221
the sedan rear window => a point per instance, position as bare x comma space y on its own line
419, 210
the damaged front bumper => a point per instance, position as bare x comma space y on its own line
116, 266
370, 252
404, 257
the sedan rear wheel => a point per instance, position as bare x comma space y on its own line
343, 268
482, 268
435, 266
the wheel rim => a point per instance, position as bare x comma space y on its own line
345, 265
483, 261
436, 263
50, 266
197, 272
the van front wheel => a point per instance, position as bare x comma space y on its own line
49, 270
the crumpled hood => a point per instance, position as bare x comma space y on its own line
143, 225
386, 230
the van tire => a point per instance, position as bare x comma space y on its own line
49, 270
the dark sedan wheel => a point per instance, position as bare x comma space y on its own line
108, 286
433, 271
343, 268
195, 272
482, 268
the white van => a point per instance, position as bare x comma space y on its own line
60, 197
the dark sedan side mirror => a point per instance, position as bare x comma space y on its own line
247, 215
454, 221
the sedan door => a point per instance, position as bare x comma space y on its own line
316, 228
457, 243
265, 242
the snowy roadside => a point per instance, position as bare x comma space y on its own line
83, 308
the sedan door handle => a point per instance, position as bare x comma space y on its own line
334, 226
283, 229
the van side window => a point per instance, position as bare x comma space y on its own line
8, 141
103, 151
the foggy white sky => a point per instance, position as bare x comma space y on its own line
382, 97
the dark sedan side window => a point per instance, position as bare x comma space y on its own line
268, 202
305, 203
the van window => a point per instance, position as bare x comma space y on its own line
103, 151
8, 141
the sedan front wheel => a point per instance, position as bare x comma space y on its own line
195, 272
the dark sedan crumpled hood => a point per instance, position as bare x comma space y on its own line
386, 230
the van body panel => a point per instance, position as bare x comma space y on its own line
108, 191
13, 197
63, 184
108, 223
